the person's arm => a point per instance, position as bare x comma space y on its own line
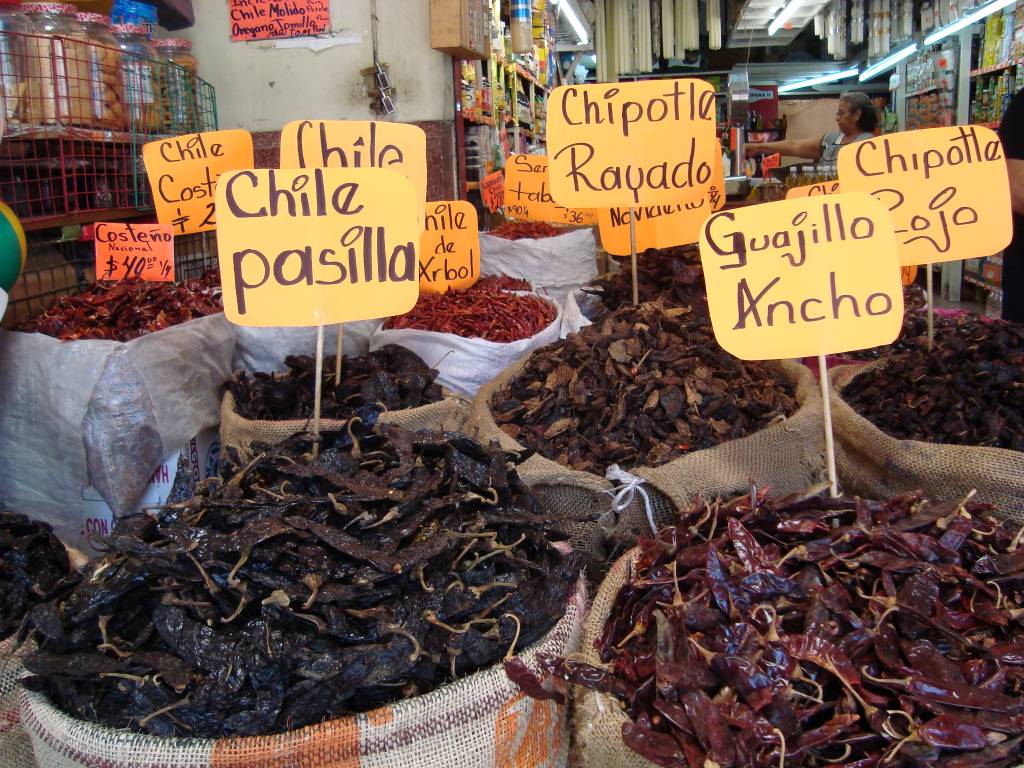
1015, 169
807, 148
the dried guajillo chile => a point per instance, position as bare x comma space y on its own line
480, 312
965, 391
672, 275
521, 230
387, 379
293, 589
808, 631
34, 568
129, 309
641, 387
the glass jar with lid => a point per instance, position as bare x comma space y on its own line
53, 24
139, 70
14, 30
106, 84
178, 89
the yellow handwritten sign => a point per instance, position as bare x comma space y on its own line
183, 172
449, 247
357, 144
814, 190
661, 226
302, 247
528, 194
649, 142
139, 251
802, 277
946, 188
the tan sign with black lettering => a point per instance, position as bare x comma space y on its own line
946, 188
317, 246
449, 247
650, 142
814, 190
528, 194
804, 277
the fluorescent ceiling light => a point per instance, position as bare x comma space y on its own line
784, 15
831, 77
564, 6
889, 61
975, 15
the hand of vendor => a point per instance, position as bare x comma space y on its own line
856, 118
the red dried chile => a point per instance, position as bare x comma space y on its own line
521, 230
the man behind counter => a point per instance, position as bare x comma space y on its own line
1011, 132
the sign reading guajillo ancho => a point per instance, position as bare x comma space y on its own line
357, 144
302, 247
803, 277
814, 190
648, 142
528, 194
449, 247
946, 189
661, 226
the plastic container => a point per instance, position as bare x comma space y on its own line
134, 12
140, 71
53, 25
521, 26
106, 85
178, 85
14, 28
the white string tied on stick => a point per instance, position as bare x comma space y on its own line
626, 490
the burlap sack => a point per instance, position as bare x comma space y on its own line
786, 456
873, 464
481, 720
239, 432
15, 746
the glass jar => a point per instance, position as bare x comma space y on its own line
53, 24
139, 70
178, 90
14, 30
106, 85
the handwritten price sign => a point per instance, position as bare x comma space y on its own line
449, 247
528, 194
137, 251
267, 19
492, 189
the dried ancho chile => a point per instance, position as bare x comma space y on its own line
672, 275
291, 589
34, 568
129, 309
388, 379
966, 391
483, 311
521, 230
810, 631
641, 387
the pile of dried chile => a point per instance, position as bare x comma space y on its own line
293, 589
387, 379
504, 283
521, 230
34, 568
966, 391
128, 309
672, 275
640, 387
811, 631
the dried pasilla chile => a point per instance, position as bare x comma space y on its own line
672, 275
914, 331
388, 379
34, 568
965, 391
297, 588
480, 312
128, 309
808, 630
641, 387
521, 230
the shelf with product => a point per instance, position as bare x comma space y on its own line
997, 61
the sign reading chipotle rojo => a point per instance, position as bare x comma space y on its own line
304, 247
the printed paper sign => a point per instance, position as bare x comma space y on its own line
773, 160
804, 277
183, 173
137, 251
358, 144
449, 247
661, 226
946, 188
813, 190
649, 142
528, 194
303, 247
267, 19
492, 189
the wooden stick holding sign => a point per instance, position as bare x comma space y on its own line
828, 282
318, 387
632, 255
930, 304
339, 350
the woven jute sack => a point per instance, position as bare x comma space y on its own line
236, 431
785, 456
871, 463
480, 720
15, 746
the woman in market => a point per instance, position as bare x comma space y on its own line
856, 118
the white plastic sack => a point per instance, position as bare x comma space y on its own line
264, 349
465, 365
553, 265
102, 413
580, 307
